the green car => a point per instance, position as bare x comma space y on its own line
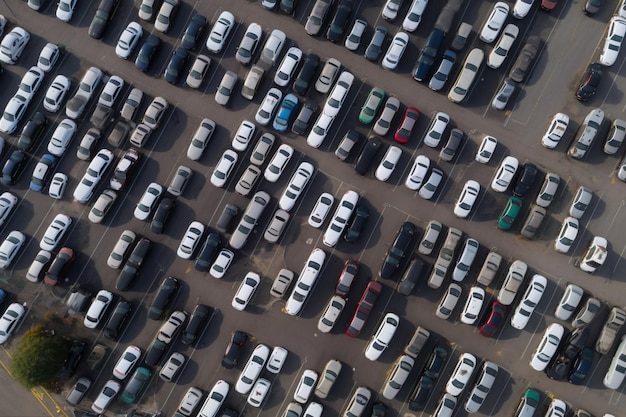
136, 385
371, 106
510, 213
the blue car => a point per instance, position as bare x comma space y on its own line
42, 172
285, 111
581, 366
175, 66
3, 295
147, 51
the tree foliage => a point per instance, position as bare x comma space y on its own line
38, 357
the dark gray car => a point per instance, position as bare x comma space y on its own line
448, 152
374, 49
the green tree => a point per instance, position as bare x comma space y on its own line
38, 357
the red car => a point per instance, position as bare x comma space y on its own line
364, 308
125, 169
58, 267
403, 134
495, 320
349, 272
548, 5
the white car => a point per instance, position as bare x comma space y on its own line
111, 90
253, 369
65, 10
521, 8
200, 139
278, 163
569, 302
221, 29
398, 376
10, 247
448, 301
483, 385
486, 149
567, 235
320, 210
246, 291
305, 283
512, 282
147, 9
277, 360
616, 372
473, 305
388, 163
320, 130
102, 206
558, 408
60, 139
396, 50
7, 203
340, 218
504, 175
198, 71
30, 83
304, 389
288, 66
383, 336
93, 175
243, 136
104, 398
259, 392
418, 173
127, 361
501, 50
9, 320
128, 40
97, 309
13, 113
222, 262
353, 40
262, 149
148, 201
547, 347
215, 399
467, 198
461, 375
613, 42
268, 106
436, 129
428, 190
13, 45
85, 91
556, 130
121, 248
56, 93
55, 232
492, 26
446, 406
48, 57
581, 202
164, 17
224, 167
57, 186
529, 301
190, 240
331, 313
249, 43
414, 15
390, 9
338, 94
154, 113
296, 186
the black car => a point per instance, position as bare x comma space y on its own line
428, 55
525, 59
375, 47
339, 22
302, 122
175, 66
115, 324
154, 353
199, 317
525, 180
369, 151
559, 368
421, 394
101, 116
73, 357
234, 348
303, 80
379, 409
157, 225
13, 167
132, 265
207, 254
32, 131
288, 6
104, 14
398, 250
411, 277
590, 82
361, 214
193, 32
164, 298
436, 362
147, 51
